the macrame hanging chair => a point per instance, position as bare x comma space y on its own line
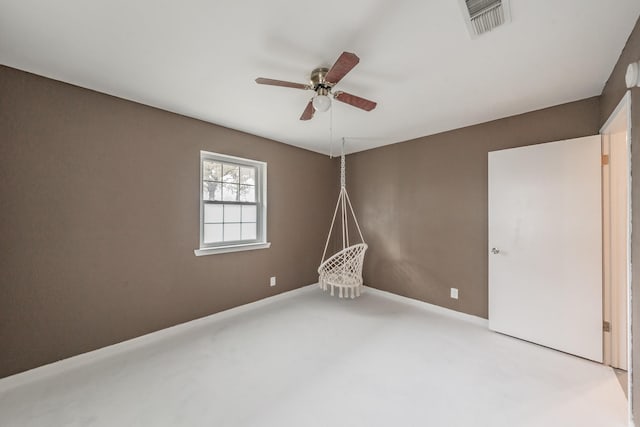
343, 270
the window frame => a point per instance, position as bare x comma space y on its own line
260, 242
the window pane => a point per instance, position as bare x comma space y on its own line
248, 231
248, 175
232, 213
230, 173
211, 191
211, 170
212, 213
231, 232
212, 233
249, 213
231, 200
230, 192
247, 193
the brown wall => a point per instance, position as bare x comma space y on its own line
615, 87
423, 203
99, 220
613, 92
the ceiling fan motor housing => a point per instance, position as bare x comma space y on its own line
318, 81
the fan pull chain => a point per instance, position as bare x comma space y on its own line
331, 133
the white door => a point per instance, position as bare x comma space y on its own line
545, 245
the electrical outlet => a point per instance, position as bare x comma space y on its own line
454, 293
272, 281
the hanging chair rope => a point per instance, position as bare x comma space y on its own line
354, 215
343, 201
326, 245
344, 269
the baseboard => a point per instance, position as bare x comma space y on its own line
74, 362
430, 307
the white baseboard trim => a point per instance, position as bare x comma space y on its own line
430, 307
74, 362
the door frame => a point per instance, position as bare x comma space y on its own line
625, 102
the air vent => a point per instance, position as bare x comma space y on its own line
484, 15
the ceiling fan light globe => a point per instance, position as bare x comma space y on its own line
321, 103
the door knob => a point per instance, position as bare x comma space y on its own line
495, 251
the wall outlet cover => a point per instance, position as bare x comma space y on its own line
272, 281
454, 293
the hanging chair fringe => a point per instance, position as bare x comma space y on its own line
344, 271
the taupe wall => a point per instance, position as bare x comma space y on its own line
613, 92
423, 203
99, 220
615, 87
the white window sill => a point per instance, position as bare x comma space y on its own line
231, 248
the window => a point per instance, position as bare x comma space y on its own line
232, 204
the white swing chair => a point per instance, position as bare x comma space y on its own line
344, 269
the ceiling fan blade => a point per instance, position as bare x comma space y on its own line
272, 82
356, 101
343, 65
308, 112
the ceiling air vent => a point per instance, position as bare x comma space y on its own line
483, 16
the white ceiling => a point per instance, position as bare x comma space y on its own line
200, 58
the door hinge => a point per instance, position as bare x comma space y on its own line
605, 159
606, 326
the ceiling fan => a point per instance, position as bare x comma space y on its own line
322, 81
